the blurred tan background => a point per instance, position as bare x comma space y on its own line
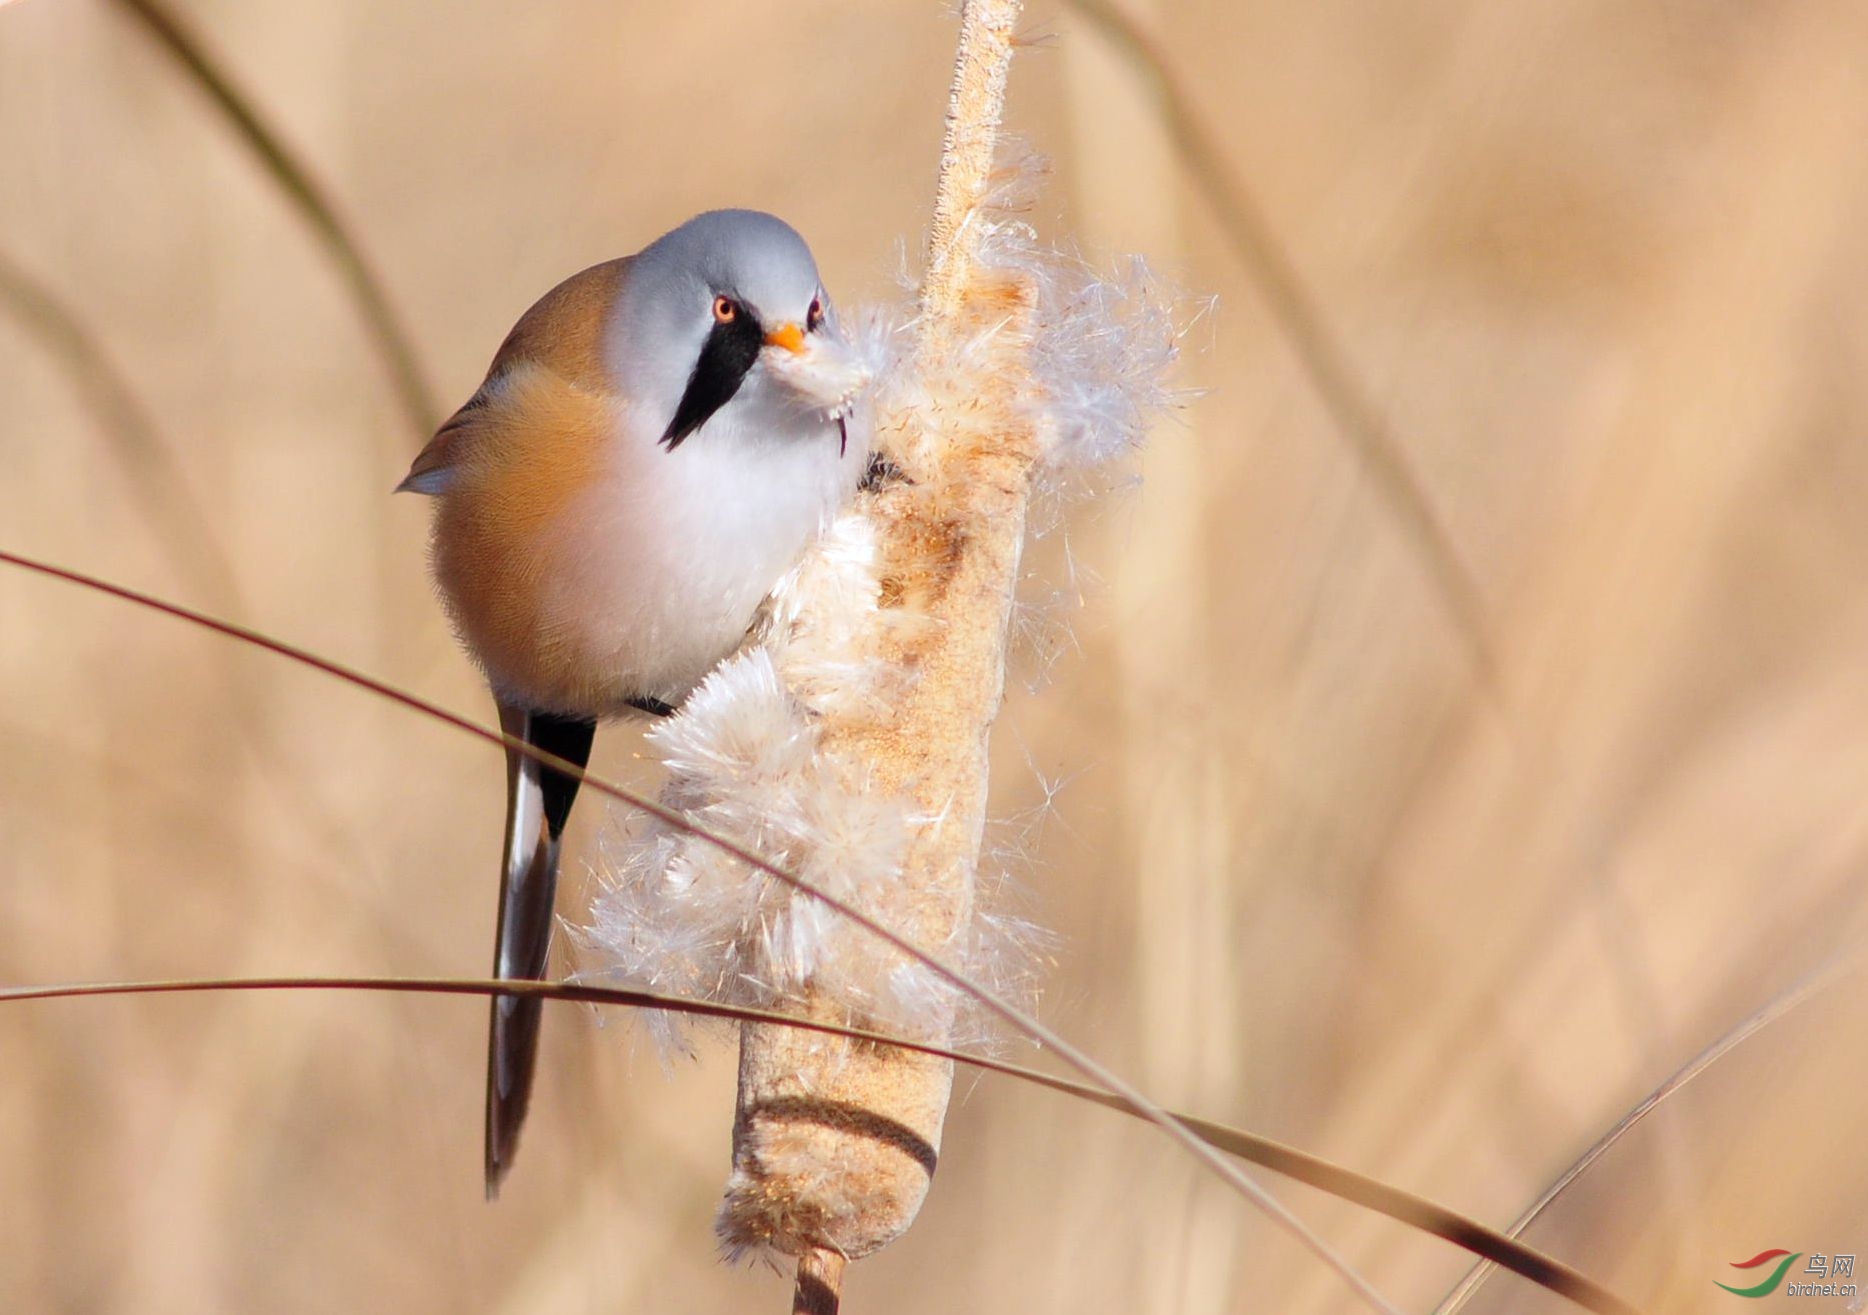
1599, 266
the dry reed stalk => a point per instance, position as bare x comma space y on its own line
1125, 179
155, 478
1176, 826
1319, 345
1492, 1246
296, 181
1412, 1210
835, 1142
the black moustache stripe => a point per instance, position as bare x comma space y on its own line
727, 355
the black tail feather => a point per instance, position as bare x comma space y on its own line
538, 802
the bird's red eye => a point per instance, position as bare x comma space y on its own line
725, 310
814, 316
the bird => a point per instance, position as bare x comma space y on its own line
656, 442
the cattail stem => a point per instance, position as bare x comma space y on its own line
820, 1283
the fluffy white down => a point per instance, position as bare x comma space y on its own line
743, 756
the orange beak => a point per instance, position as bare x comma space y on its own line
788, 336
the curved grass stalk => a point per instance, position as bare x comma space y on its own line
1125, 1093
1358, 420
1797, 995
1455, 1228
294, 178
1345, 1184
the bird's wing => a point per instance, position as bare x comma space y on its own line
562, 334
433, 468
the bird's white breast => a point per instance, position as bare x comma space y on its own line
671, 552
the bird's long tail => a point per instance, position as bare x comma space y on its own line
538, 800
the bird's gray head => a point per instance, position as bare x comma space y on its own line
730, 306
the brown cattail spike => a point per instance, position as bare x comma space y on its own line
834, 1142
